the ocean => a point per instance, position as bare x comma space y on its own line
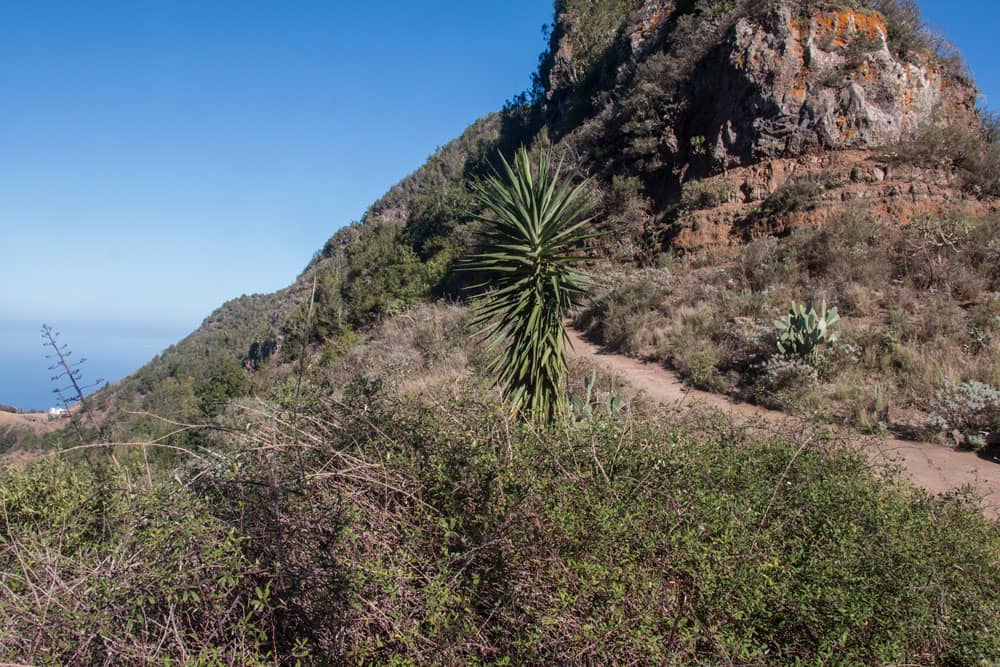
111, 351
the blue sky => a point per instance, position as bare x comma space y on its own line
158, 158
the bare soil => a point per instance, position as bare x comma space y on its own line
35, 421
935, 467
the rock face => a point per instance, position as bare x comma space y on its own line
755, 95
788, 85
828, 184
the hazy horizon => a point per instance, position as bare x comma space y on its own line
112, 352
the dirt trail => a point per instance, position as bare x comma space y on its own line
937, 468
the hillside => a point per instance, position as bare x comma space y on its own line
328, 475
703, 125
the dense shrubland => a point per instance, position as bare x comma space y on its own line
402, 516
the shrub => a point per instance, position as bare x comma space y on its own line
438, 530
781, 376
793, 196
698, 195
624, 317
615, 534
967, 411
94, 573
905, 26
976, 160
223, 381
989, 125
763, 264
627, 212
385, 275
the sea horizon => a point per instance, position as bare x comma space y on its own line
112, 351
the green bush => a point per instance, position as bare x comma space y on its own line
624, 541
438, 530
698, 195
95, 572
385, 275
224, 380
793, 196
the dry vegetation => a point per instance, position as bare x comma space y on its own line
920, 304
399, 515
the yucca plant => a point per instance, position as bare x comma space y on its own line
535, 220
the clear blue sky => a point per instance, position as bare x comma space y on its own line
157, 158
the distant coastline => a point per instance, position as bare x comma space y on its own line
113, 351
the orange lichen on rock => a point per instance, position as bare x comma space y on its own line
844, 126
841, 24
647, 27
872, 25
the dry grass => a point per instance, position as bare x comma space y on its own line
919, 304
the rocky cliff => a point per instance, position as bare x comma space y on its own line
756, 97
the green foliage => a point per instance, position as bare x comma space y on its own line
589, 27
434, 218
13, 438
584, 407
381, 529
699, 195
223, 381
793, 196
145, 576
385, 275
632, 542
538, 219
804, 330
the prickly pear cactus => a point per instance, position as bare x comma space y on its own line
804, 329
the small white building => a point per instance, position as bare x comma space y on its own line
56, 413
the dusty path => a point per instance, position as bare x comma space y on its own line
937, 468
